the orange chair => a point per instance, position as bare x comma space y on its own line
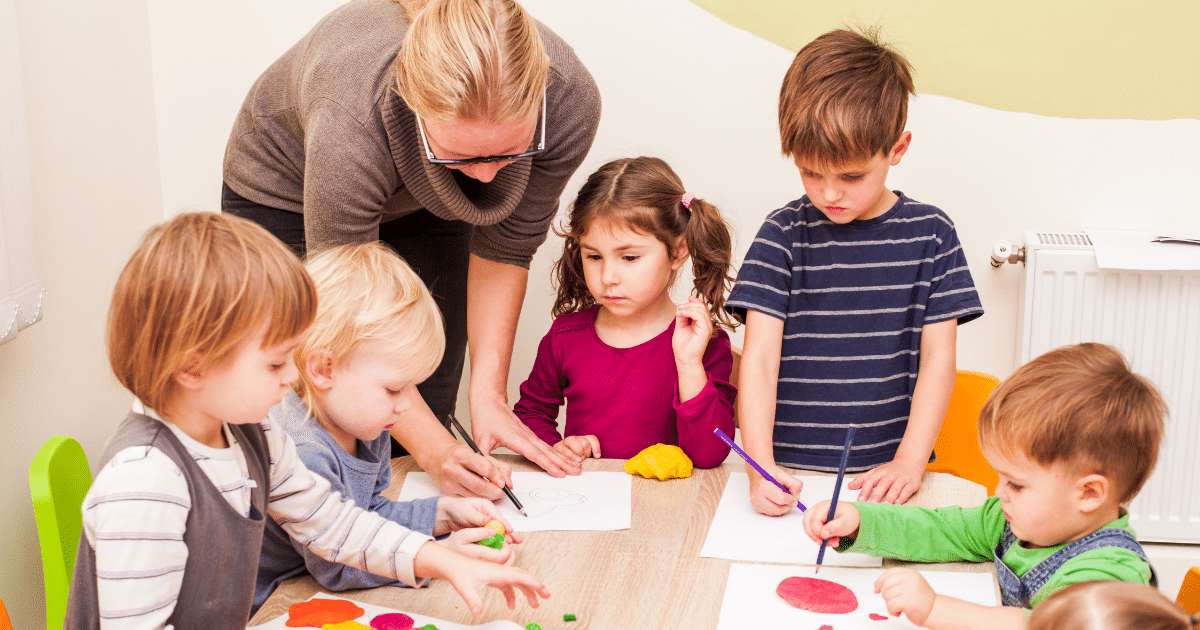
957, 445
1189, 592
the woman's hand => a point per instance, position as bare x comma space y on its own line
495, 425
465, 473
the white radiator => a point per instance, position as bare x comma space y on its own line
1153, 317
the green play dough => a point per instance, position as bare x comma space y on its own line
495, 542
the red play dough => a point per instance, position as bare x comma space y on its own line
875, 617
318, 612
825, 628
392, 621
816, 595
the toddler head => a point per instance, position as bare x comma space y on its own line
1109, 605
642, 195
377, 334
197, 289
844, 100
1076, 416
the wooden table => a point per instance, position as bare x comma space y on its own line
649, 576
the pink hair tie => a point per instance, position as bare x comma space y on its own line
686, 200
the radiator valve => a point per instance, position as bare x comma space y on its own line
1003, 252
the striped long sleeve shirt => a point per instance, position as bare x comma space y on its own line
135, 514
853, 299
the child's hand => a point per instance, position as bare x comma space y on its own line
582, 446
906, 591
893, 482
769, 499
467, 575
463, 541
458, 513
693, 330
845, 522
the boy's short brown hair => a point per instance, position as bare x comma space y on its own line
1083, 406
844, 99
197, 287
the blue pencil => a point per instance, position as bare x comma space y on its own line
721, 434
837, 489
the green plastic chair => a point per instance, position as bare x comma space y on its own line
59, 478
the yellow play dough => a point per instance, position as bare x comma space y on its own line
661, 461
345, 625
496, 526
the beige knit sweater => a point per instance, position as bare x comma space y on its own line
323, 133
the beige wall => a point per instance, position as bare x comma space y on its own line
1076, 58
94, 167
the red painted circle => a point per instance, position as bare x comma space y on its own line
392, 621
816, 595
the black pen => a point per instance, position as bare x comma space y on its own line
475, 447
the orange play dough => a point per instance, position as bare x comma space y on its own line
317, 612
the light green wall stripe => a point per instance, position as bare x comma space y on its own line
1068, 58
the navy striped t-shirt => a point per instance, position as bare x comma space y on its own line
853, 299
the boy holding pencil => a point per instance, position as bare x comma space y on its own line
851, 294
1074, 434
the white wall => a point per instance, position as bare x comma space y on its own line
124, 95
95, 184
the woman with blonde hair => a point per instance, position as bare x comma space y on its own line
447, 129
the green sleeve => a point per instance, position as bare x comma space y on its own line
1106, 563
916, 534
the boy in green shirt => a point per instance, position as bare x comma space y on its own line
1073, 434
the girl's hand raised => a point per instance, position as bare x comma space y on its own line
693, 330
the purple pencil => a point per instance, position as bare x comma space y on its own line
749, 460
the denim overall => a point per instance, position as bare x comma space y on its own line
1019, 591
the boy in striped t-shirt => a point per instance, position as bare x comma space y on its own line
851, 294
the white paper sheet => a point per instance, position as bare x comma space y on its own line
750, 600
1136, 249
738, 532
280, 622
593, 501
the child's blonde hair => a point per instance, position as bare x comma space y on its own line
844, 98
644, 194
476, 60
367, 292
1083, 406
1109, 605
196, 288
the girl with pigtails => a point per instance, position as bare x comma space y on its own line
633, 367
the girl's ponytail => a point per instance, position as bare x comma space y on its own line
711, 247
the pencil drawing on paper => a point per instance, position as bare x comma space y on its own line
542, 501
